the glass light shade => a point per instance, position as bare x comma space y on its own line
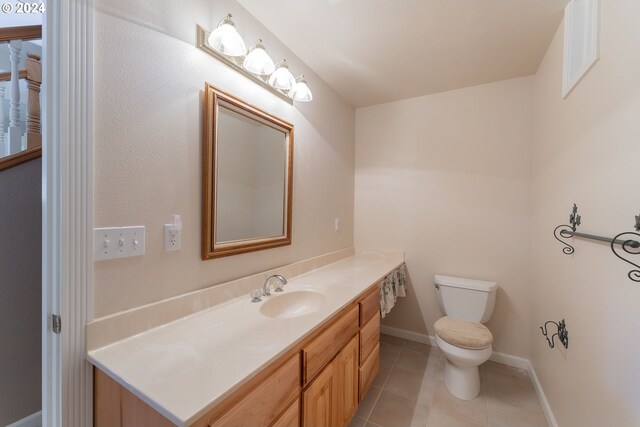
258, 61
226, 39
282, 78
300, 91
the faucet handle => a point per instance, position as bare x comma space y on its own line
256, 295
277, 287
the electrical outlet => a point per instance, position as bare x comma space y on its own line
337, 224
172, 238
117, 242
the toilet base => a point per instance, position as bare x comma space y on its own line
461, 374
462, 382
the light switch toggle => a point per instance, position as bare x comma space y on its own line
130, 242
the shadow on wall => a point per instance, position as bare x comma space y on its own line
407, 306
177, 21
499, 321
155, 17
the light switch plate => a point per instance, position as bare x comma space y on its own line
117, 242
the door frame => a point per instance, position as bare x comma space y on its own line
67, 211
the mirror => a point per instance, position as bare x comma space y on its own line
247, 177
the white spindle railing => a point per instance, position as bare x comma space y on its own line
15, 130
4, 145
22, 139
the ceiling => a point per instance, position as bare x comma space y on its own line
377, 51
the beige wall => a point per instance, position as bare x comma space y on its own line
446, 177
449, 178
586, 150
20, 291
148, 85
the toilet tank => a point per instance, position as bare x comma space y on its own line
466, 299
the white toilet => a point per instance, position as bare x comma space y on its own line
465, 342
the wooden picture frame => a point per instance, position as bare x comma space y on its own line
213, 98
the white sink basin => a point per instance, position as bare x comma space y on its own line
292, 304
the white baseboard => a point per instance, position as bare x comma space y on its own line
34, 420
407, 335
551, 420
509, 360
505, 359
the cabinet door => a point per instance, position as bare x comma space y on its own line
348, 370
320, 400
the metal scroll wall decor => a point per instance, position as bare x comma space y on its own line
562, 333
623, 245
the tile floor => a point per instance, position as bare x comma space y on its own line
409, 392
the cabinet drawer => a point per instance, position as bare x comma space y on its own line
369, 370
369, 306
269, 399
322, 349
291, 417
369, 337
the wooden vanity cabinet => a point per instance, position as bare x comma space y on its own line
369, 337
316, 383
291, 417
332, 398
115, 406
370, 305
348, 373
368, 371
320, 399
369, 341
269, 399
322, 349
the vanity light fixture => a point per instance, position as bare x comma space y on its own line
227, 45
282, 78
300, 91
258, 60
226, 39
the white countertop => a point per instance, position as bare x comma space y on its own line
185, 368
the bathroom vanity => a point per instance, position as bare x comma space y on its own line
259, 364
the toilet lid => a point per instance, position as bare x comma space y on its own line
463, 334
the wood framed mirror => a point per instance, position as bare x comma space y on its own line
247, 177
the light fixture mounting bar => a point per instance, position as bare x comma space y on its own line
202, 36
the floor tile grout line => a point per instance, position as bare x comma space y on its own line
372, 408
393, 365
510, 402
483, 376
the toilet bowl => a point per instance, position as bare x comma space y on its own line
460, 335
461, 372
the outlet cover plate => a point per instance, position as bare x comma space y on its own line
172, 239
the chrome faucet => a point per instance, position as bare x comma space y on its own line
267, 284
